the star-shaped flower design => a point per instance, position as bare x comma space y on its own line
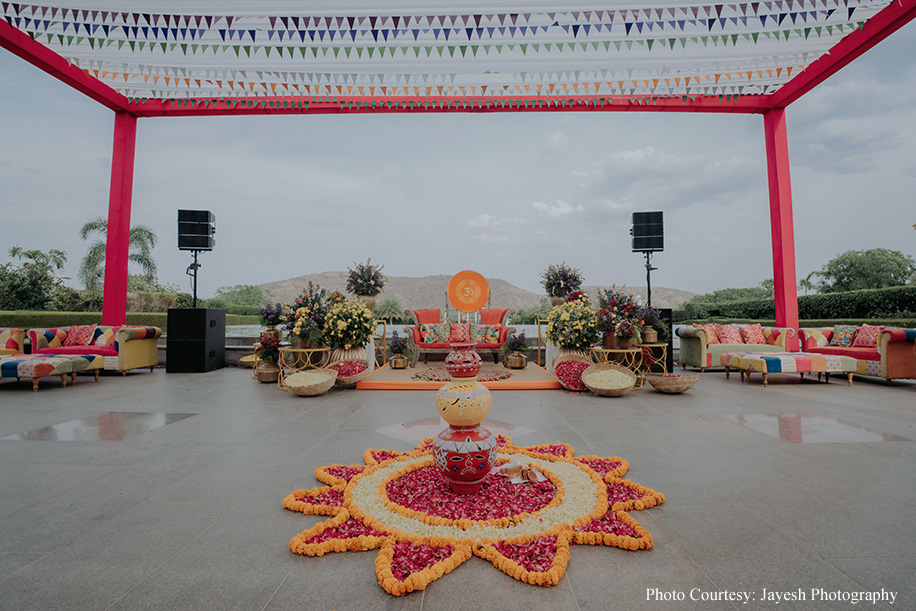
399, 503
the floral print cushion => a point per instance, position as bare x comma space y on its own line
436, 333
867, 336
753, 334
729, 334
80, 335
842, 336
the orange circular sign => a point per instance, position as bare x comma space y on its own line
468, 291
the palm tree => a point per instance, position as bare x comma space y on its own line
390, 309
807, 283
92, 268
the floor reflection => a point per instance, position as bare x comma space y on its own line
810, 428
110, 426
418, 430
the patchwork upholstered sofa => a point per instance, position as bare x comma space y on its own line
428, 335
702, 345
124, 347
12, 341
880, 352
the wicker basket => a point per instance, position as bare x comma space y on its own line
313, 388
350, 380
673, 384
609, 392
571, 357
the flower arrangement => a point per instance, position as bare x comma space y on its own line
269, 349
517, 343
366, 279
271, 315
561, 280
619, 314
579, 296
649, 315
305, 317
348, 324
573, 325
398, 345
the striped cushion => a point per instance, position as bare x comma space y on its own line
460, 333
729, 334
753, 334
867, 336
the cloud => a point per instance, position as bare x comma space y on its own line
556, 209
494, 239
486, 220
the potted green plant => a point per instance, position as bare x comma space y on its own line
516, 344
366, 281
560, 281
400, 352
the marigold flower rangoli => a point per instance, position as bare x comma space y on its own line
400, 504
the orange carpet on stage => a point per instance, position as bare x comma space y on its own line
531, 377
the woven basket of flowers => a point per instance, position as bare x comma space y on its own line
673, 384
569, 370
349, 372
609, 379
311, 382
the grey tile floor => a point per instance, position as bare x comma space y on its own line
818, 502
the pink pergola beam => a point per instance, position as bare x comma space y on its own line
19, 43
890, 19
114, 299
749, 104
781, 223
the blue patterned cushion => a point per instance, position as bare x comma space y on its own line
484, 334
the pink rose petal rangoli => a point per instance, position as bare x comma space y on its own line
400, 504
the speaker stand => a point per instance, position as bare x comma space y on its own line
192, 271
649, 269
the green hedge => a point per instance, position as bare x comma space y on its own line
44, 320
897, 302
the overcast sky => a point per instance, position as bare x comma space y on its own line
501, 194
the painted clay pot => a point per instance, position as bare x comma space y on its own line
463, 361
463, 402
465, 455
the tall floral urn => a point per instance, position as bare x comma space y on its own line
465, 451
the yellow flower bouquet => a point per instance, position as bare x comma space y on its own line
349, 324
573, 325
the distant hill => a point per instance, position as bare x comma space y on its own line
430, 291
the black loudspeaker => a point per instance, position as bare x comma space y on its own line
195, 340
648, 232
196, 229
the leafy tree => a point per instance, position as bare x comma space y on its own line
241, 294
142, 240
866, 269
530, 316
33, 285
390, 310
762, 291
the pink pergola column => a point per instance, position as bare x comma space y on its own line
781, 223
114, 305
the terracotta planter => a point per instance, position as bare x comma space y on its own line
463, 361
612, 342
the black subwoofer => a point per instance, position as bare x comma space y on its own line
195, 340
